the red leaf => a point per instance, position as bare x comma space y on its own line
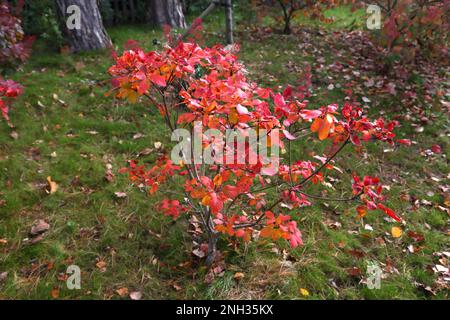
158, 80
186, 118
405, 142
389, 212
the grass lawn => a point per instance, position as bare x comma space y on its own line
67, 129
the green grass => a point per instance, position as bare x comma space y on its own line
147, 252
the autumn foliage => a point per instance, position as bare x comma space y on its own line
285, 11
187, 84
9, 90
412, 25
14, 45
14, 49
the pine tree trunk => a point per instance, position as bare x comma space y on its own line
92, 34
167, 12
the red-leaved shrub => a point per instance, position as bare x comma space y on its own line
207, 86
14, 45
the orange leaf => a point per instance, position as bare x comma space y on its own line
362, 211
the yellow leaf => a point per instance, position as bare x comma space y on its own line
233, 117
304, 292
218, 180
206, 200
396, 232
52, 186
132, 96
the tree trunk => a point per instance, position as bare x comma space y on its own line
167, 12
91, 34
229, 21
287, 26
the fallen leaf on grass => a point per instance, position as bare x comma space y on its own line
354, 272
396, 232
304, 292
176, 287
238, 276
199, 253
101, 265
3, 241
55, 293
39, 227
138, 136
436, 149
418, 237
52, 186
3, 276
440, 269
122, 292
136, 295
145, 152
120, 195
158, 145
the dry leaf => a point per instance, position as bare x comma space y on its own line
39, 227
52, 186
55, 293
3, 276
122, 292
120, 195
136, 295
238, 276
101, 265
3, 241
177, 287
158, 145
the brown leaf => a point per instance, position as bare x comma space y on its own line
39, 227
354, 272
101, 265
176, 287
418, 237
238, 276
145, 152
356, 253
122, 292
37, 239
55, 293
